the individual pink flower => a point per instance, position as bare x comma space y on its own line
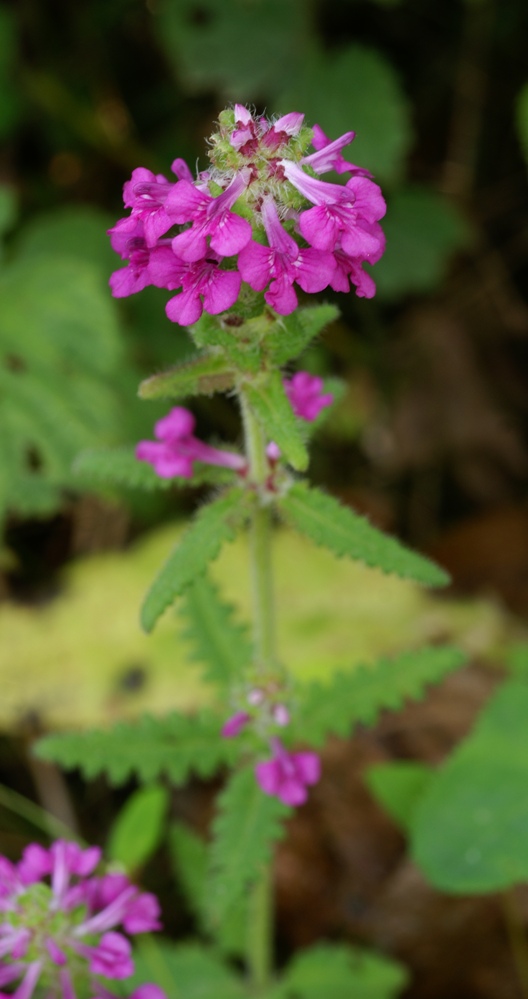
176, 448
348, 214
235, 724
211, 218
60, 924
328, 154
205, 286
306, 395
282, 263
287, 775
145, 194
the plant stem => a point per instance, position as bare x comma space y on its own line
260, 546
260, 931
260, 918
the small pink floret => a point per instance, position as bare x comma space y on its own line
235, 724
287, 775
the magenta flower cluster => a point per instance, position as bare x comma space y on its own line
63, 930
286, 775
259, 215
176, 448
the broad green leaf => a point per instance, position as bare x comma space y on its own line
340, 972
218, 642
184, 971
398, 786
359, 696
271, 405
521, 119
356, 88
175, 746
138, 829
75, 233
189, 858
327, 522
247, 826
215, 523
423, 229
240, 50
202, 375
290, 335
470, 827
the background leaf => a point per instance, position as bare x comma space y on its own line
341, 972
138, 829
356, 88
424, 230
469, 829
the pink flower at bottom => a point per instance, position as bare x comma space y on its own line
305, 392
176, 448
287, 775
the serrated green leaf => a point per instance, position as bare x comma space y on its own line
340, 972
214, 524
137, 831
202, 375
190, 859
397, 786
290, 335
120, 467
221, 644
240, 344
469, 829
175, 746
359, 696
245, 829
327, 522
57, 367
268, 400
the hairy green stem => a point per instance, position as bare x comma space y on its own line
260, 917
260, 931
260, 546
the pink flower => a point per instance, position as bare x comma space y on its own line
60, 924
145, 193
282, 263
305, 393
204, 286
328, 154
235, 724
287, 775
176, 448
348, 214
211, 217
